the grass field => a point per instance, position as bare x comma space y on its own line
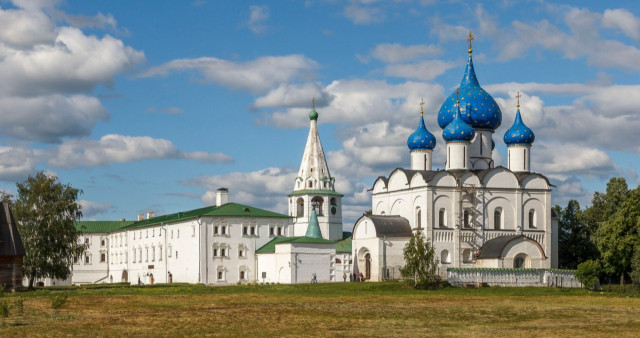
340, 309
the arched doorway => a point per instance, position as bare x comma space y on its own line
170, 277
151, 279
367, 266
125, 276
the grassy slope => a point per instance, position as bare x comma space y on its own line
370, 309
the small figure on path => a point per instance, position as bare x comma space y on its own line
139, 281
314, 279
344, 276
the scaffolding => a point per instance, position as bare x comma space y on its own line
468, 220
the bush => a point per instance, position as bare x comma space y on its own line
58, 301
588, 273
4, 308
19, 304
635, 266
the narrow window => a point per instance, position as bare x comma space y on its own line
271, 231
441, 220
245, 230
103, 257
497, 219
532, 215
223, 253
215, 252
466, 219
279, 231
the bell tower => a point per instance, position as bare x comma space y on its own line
314, 189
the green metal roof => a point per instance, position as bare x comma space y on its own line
343, 246
225, 210
89, 227
316, 192
313, 229
271, 246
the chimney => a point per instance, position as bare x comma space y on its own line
222, 196
140, 217
150, 214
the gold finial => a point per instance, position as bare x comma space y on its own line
421, 106
518, 99
313, 103
469, 39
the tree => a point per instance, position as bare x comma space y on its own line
635, 267
420, 262
618, 236
574, 240
589, 273
45, 210
604, 206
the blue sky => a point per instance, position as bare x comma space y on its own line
153, 105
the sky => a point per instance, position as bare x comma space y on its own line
153, 105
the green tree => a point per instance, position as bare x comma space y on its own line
574, 238
420, 261
45, 210
589, 273
618, 236
604, 206
635, 267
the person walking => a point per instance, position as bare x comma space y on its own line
344, 276
314, 280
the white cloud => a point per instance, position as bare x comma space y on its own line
258, 15
424, 70
293, 95
265, 188
562, 160
24, 29
395, 52
259, 75
50, 118
623, 20
91, 208
17, 163
363, 15
119, 149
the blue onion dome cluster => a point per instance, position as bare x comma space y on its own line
458, 130
519, 133
421, 138
482, 111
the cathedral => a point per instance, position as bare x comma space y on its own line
473, 213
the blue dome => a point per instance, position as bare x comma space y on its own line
458, 130
482, 111
519, 133
421, 138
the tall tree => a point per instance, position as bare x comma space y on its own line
618, 236
574, 239
45, 210
420, 262
604, 206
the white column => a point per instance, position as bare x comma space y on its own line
421, 159
519, 157
457, 155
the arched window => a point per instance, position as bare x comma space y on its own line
497, 219
467, 256
318, 203
334, 205
310, 184
418, 218
532, 218
465, 220
300, 207
442, 222
521, 261
445, 258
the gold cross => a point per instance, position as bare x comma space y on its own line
518, 98
469, 39
313, 103
421, 106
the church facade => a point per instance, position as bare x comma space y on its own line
473, 213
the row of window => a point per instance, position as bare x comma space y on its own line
317, 203
467, 219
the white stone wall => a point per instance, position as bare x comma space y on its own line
513, 277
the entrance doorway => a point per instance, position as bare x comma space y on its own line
125, 276
367, 266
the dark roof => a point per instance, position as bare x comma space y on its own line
493, 248
89, 227
11, 244
390, 226
270, 247
225, 210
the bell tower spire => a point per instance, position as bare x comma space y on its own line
314, 188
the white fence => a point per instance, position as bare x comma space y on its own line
512, 277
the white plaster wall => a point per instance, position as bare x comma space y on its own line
516, 247
457, 155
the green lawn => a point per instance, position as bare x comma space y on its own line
343, 309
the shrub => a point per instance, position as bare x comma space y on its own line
588, 273
58, 301
19, 304
4, 308
635, 266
